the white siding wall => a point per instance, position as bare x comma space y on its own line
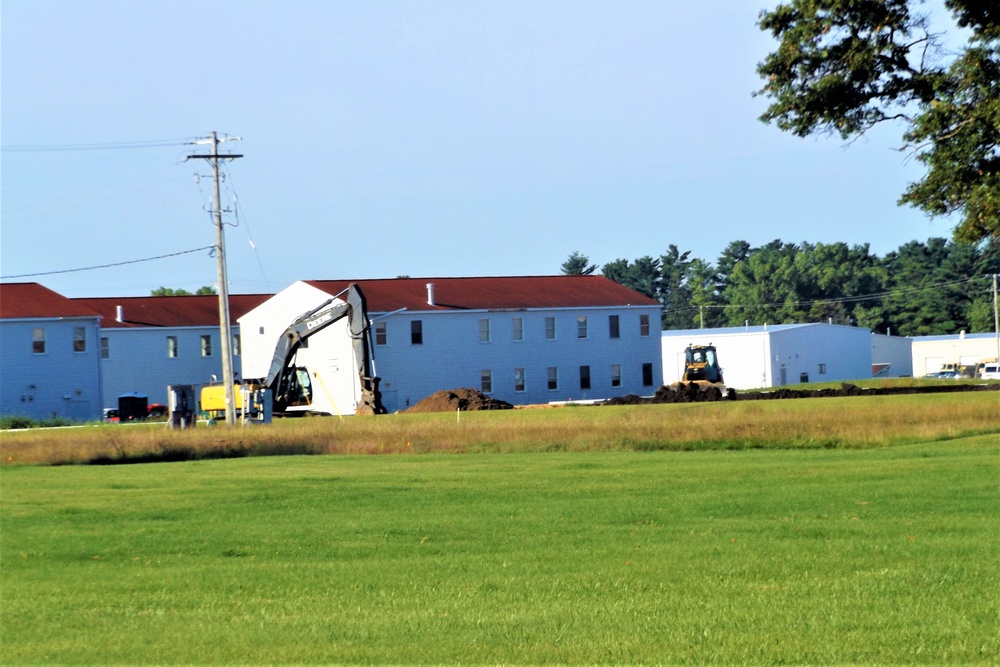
59, 383
844, 353
895, 351
261, 327
932, 352
758, 358
744, 357
452, 355
138, 361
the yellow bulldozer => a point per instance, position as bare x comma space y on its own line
702, 371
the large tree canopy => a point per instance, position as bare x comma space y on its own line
843, 66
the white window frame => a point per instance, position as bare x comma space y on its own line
550, 328
206, 345
519, 381
581, 327
486, 381
517, 325
38, 345
484, 330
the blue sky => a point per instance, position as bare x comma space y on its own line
413, 138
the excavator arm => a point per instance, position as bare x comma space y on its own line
312, 322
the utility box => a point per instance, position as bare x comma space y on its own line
132, 407
181, 406
257, 405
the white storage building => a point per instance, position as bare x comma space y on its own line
759, 357
931, 353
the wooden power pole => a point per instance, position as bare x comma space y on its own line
225, 326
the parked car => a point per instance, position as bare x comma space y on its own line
990, 372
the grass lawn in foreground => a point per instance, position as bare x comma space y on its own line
884, 555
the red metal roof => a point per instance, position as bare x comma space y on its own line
497, 293
169, 311
31, 300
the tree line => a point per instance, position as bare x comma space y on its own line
920, 289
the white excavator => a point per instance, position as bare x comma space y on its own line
288, 389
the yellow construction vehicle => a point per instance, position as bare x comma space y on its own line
702, 369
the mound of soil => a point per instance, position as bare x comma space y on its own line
450, 400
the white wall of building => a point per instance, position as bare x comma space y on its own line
771, 356
124, 373
61, 382
452, 355
930, 353
894, 351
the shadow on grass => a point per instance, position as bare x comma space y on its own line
176, 454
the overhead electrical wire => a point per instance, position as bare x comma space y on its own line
845, 299
114, 146
108, 266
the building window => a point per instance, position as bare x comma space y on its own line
581, 326
237, 345
105, 348
171, 346
38, 340
553, 378
484, 330
644, 325
613, 329
822, 369
616, 375
416, 332
380, 333
518, 328
647, 375
584, 377
79, 339
487, 381
206, 345
518, 379
550, 328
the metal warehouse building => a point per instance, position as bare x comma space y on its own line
758, 357
931, 353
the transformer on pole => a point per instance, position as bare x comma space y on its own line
225, 326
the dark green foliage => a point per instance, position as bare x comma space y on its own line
932, 288
206, 290
844, 66
578, 265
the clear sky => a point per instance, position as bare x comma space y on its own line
420, 138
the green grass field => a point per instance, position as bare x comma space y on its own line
845, 555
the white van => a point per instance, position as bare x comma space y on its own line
991, 371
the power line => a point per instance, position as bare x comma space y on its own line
121, 145
845, 299
107, 266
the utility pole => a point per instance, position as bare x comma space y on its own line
225, 327
996, 316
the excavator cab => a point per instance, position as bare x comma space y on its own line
294, 388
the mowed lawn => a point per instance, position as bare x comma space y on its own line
822, 556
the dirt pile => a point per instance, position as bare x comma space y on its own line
450, 400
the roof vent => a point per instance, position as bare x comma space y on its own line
119, 314
430, 294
